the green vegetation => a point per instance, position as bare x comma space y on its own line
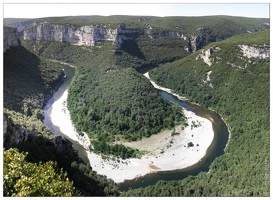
106, 99
28, 80
117, 150
123, 102
22, 178
109, 99
190, 144
146, 52
10, 27
41, 148
93, 79
241, 96
78, 20
223, 26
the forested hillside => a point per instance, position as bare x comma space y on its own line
111, 100
187, 24
238, 89
27, 79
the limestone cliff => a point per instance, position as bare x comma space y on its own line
85, 35
205, 55
255, 52
21, 26
196, 42
154, 35
21, 134
10, 37
91, 35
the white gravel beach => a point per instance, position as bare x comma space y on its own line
164, 151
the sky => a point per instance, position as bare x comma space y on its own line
152, 8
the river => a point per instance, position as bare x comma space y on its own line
70, 72
216, 148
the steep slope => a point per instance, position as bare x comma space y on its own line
145, 42
231, 77
107, 99
10, 37
197, 31
28, 82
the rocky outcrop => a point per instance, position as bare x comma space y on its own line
196, 42
125, 34
207, 81
253, 52
22, 135
155, 35
205, 55
85, 35
21, 26
5, 127
64, 145
10, 37
92, 35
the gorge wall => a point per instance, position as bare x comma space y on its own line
91, 35
85, 35
10, 37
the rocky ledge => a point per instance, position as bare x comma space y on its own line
254, 52
10, 37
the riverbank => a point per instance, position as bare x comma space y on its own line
164, 151
164, 89
60, 116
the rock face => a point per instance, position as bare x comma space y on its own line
10, 37
64, 145
205, 55
196, 42
21, 135
5, 127
85, 35
166, 34
92, 35
253, 52
21, 26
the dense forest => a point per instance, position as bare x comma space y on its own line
21, 91
110, 100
